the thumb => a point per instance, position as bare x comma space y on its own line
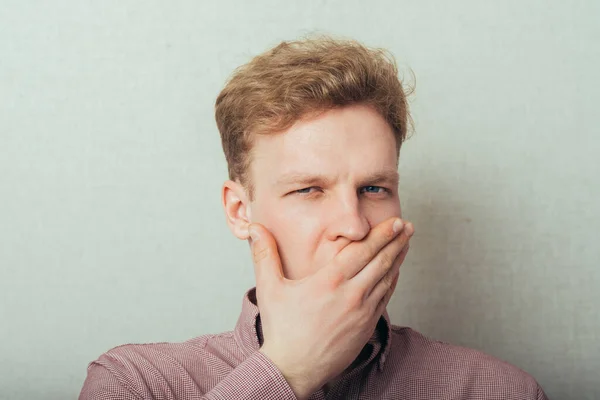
267, 264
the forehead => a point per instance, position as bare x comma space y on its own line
352, 140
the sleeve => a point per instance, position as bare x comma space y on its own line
253, 379
540, 394
101, 384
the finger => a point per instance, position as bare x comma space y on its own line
384, 285
386, 298
267, 264
381, 264
356, 255
387, 295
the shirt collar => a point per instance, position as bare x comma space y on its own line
248, 331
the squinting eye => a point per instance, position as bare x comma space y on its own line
305, 190
374, 189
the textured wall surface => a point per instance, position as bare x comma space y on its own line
111, 229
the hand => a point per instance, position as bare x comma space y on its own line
313, 328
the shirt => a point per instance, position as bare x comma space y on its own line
396, 363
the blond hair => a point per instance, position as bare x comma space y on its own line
299, 78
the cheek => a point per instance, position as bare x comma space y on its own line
288, 223
290, 215
379, 212
276, 217
297, 234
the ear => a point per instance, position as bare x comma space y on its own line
237, 208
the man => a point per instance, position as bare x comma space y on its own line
312, 132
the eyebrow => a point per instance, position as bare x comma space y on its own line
390, 177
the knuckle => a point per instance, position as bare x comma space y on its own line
388, 280
369, 250
388, 233
391, 277
385, 260
365, 318
335, 279
354, 300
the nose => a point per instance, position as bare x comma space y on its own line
347, 219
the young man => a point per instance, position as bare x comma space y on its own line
312, 132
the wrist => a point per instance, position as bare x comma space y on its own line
300, 385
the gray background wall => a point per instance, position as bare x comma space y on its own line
111, 229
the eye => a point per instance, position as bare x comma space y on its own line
374, 189
304, 190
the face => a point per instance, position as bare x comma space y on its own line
319, 185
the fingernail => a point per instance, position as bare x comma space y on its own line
409, 229
397, 225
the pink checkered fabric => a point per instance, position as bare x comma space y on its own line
397, 363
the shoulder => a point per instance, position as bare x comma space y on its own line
157, 353
460, 367
142, 367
